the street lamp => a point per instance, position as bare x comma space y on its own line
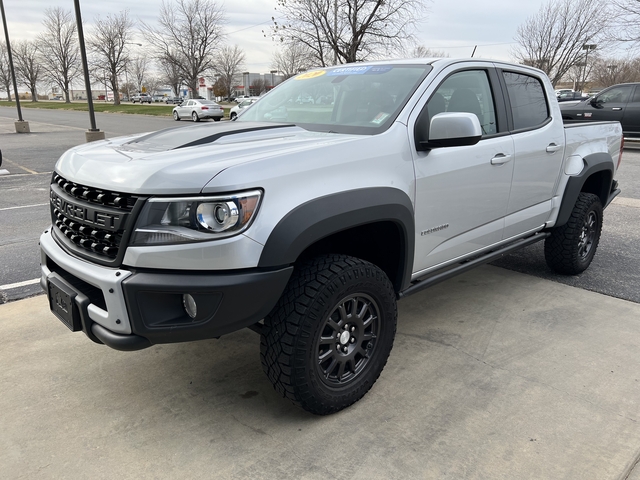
93, 133
587, 47
21, 125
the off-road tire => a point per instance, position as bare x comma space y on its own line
571, 247
176, 117
299, 332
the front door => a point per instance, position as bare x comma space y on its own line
608, 105
462, 192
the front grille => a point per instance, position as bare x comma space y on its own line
93, 220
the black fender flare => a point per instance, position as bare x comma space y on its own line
324, 216
596, 162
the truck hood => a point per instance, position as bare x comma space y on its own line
182, 160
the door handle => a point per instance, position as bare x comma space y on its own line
616, 109
553, 148
500, 159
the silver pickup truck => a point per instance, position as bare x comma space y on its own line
307, 221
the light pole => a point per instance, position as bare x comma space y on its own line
587, 47
94, 132
20, 124
612, 73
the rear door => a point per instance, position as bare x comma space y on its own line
539, 141
631, 118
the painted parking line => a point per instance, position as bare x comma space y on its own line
9, 286
24, 206
29, 174
28, 170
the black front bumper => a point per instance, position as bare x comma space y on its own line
226, 302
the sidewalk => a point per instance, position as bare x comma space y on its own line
494, 375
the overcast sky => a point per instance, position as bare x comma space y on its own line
453, 26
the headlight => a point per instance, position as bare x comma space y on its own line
195, 219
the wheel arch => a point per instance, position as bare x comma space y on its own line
375, 224
596, 177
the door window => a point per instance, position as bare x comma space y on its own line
529, 106
467, 91
636, 96
615, 95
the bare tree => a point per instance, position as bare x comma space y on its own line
170, 75
27, 65
153, 83
109, 42
420, 51
292, 59
229, 63
60, 54
5, 73
553, 39
220, 89
611, 71
627, 22
258, 86
187, 35
139, 70
347, 31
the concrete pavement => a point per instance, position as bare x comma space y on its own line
494, 375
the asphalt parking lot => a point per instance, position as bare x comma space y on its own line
501, 373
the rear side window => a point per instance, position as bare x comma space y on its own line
528, 102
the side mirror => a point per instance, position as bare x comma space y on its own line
452, 129
595, 102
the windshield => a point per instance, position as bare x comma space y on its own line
356, 99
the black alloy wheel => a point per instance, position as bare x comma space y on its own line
325, 343
347, 340
571, 247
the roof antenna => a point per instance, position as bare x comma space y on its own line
474, 51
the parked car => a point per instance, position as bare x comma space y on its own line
141, 98
570, 96
173, 100
563, 90
246, 102
619, 102
197, 110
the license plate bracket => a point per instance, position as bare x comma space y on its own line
62, 302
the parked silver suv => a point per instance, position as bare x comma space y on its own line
141, 98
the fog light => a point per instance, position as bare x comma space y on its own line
189, 305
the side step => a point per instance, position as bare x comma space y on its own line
435, 277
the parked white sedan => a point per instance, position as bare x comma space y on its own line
244, 103
198, 110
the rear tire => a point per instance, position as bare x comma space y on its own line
195, 117
327, 340
571, 247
